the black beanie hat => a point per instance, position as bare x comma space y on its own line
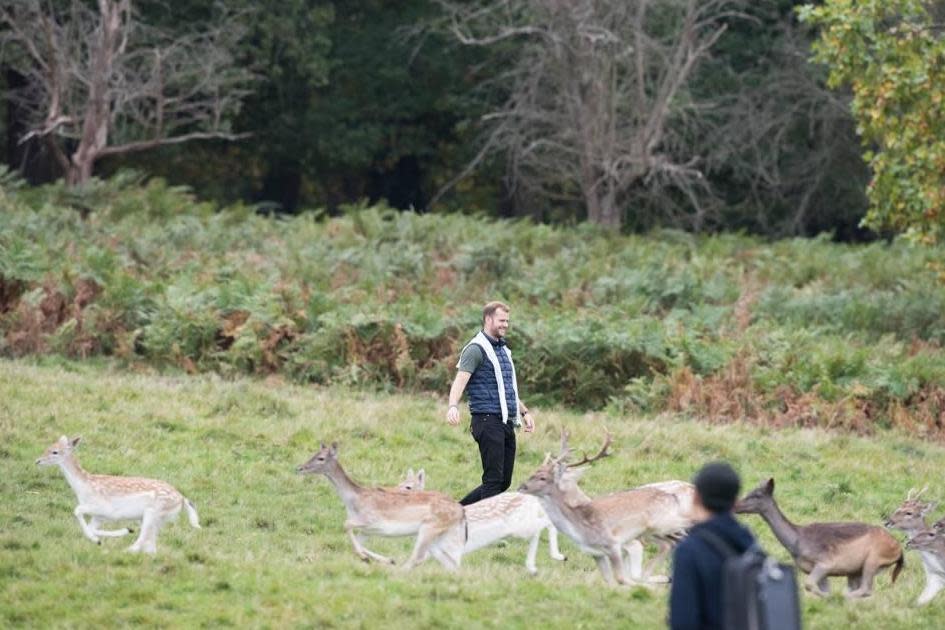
718, 485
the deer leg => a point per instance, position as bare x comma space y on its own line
933, 584
96, 524
664, 548
80, 512
532, 553
853, 581
425, 537
604, 565
553, 544
448, 548
816, 582
866, 582
150, 526
363, 552
635, 559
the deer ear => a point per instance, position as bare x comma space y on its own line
322, 445
334, 449
410, 472
420, 478
63, 440
75, 441
929, 508
769, 486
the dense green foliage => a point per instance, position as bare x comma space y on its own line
272, 551
729, 327
373, 100
892, 54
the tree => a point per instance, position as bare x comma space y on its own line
100, 82
597, 103
892, 54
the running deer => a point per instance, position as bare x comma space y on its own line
666, 533
600, 527
506, 515
857, 551
436, 520
112, 498
910, 519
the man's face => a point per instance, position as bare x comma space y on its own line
497, 324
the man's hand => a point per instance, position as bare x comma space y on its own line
452, 415
528, 422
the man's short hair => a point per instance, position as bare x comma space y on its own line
717, 484
489, 309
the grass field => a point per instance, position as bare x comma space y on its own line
272, 552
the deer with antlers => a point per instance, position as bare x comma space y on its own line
676, 521
505, 515
111, 498
857, 551
909, 518
601, 527
437, 521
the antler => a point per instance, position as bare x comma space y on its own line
913, 495
565, 452
603, 452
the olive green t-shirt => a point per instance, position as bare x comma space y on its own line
471, 358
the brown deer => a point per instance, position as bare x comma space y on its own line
857, 551
435, 519
910, 519
112, 498
600, 527
677, 520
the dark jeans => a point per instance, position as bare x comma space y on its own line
497, 450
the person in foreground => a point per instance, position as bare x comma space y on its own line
695, 600
485, 365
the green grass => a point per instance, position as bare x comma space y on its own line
272, 552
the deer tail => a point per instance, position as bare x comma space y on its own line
191, 513
899, 564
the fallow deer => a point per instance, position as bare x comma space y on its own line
928, 541
435, 519
910, 519
666, 532
600, 527
111, 498
857, 551
506, 515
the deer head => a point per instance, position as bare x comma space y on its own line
556, 472
413, 480
926, 540
758, 500
911, 514
320, 461
58, 451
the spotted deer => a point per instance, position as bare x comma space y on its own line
506, 515
603, 526
857, 551
112, 498
437, 521
910, 518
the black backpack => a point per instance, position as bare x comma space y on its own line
758, 592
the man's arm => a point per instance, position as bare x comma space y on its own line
456, 392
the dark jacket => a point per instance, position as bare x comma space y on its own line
695, 600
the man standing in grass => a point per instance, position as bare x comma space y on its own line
485, 365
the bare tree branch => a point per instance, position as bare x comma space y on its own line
101, 82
